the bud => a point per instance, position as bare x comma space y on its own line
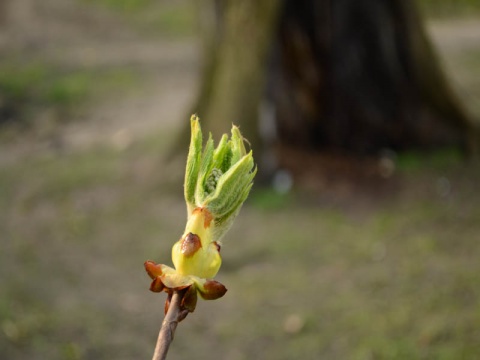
217, 182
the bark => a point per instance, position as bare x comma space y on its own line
346, 76
365, 79
237, 37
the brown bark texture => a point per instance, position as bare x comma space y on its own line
344, 76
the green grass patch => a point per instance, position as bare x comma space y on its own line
123, 5
42, 83
269, 199
449, 8
171, 18
27, 87
438, 159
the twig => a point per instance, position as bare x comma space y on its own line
173, 316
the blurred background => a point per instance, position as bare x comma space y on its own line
361, 237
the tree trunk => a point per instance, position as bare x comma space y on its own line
346, 76
236, 50
366, 78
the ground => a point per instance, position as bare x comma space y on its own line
383, 270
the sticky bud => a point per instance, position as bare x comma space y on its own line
217, 183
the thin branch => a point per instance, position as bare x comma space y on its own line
173, 316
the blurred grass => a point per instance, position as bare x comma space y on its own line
398, 281
449, 8
166, 18
29, 86
440, 159
51, 86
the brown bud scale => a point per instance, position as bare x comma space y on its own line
190, 244
208, 217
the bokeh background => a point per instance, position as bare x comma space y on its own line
372, 257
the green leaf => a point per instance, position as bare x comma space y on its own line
223, 154
193, 161
231, 186
205, 168
237, 145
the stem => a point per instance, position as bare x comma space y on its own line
169, 325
